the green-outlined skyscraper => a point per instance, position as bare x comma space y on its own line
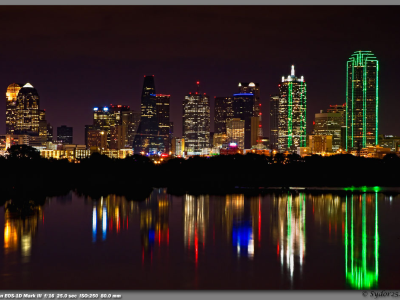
292, 113
362, 100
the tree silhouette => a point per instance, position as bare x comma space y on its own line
23, 152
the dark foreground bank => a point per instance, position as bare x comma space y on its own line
135, 176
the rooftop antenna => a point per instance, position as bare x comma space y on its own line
198, 87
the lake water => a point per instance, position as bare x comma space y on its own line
274, 241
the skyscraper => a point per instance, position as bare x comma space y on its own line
145, 139
11, 107
340, 108
292, 113
222, 113
235, 132
196, 122
27, 111
243, 108
246, 104
329, 123
162, 102
65, 134
362, 100
118, 123
273, 122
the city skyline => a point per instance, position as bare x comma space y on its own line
108, 68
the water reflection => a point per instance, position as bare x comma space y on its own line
276, 241
288, 224
362, 241
111, 214
21, 222
239, 217
195, 222
329, 214
154, 221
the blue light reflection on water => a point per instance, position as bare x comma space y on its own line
222, 224
104, 216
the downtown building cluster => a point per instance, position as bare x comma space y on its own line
118, 131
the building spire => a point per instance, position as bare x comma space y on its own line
292, 73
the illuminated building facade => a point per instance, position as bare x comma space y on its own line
223, 112
362, 100
196, 122
235, 132
145, 139
220, 140
97, 140
389, 141
292, 113
27, 111
320, 143
162, 102
11, 107
118, 122
329, 124
273, 122
178, 146
65, 134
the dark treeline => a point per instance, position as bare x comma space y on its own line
25, 173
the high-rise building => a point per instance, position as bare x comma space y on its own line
27, 111
254, 88
292, 113
133, 126
145, 139
87, 129
49, 132
246, 104
243, 108
119, 123
273, 122
11, 107
329, 124
162, 102
340, 108
65, 134
196, 122
222, 113
362, 100
97, 140
235, 132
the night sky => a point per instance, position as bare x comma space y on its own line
79, 57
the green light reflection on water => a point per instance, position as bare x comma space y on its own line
375, 189
362, 264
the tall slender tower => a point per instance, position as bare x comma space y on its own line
362, 100
11, 107
273, 122
145, 139
163, 122
292, 113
